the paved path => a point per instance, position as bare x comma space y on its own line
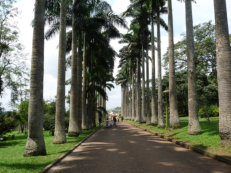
127, 149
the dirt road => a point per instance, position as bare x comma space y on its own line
127, 149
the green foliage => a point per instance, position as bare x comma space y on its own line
206, 73
7, 122
13, 74
209, 111
49, 117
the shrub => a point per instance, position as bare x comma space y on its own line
209, 111
49, 123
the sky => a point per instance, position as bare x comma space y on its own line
203, 11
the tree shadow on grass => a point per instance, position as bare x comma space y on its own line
26, 166
209, 127
7, 144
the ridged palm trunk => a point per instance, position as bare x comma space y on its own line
133, 97
138, 95
105, 107
148, 108
79, 88
154, 103
143, 120
174, 117
122, 100
73, 119
59, 135
160, 94
223, 70
84, 97
126, 106
35, 142
193, 125
127, 102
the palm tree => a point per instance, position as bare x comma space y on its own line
143, 88
160, 9
74, 130
154, 119
84, 97
35, 141
59, 135
194, 126
148, 119
223, 70
174, 117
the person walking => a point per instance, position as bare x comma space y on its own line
114, 120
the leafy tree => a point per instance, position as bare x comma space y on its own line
13, 73
22, 114
205, 59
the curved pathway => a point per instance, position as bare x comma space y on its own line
127, 149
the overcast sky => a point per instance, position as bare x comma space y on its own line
203, 11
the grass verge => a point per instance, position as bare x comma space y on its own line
11, 152
208, 140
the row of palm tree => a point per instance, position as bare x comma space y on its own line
85, 29
132, 56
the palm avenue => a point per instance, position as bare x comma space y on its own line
91, 44
196, 78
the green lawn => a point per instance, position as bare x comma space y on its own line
208, 140
11, 153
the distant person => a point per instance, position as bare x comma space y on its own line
100, 121
114, 120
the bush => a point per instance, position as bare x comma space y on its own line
49, 123
7, 122
209, 111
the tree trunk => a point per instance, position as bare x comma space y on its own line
174, 117
133, 97
223, 70
138, 98
35, 141
59, 134
160, 94
154, 104
73, 119
143, 119
122, 100
79, 88
194, 126
148, 109
84, 114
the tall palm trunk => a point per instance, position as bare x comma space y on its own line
174, 117
138, 95
223, 70
73, 119
194, 126
122, 100
84, 114
35, 141
154, 104
79, 88
133, 97
148, 109
143, 89
60, 136
160, 94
